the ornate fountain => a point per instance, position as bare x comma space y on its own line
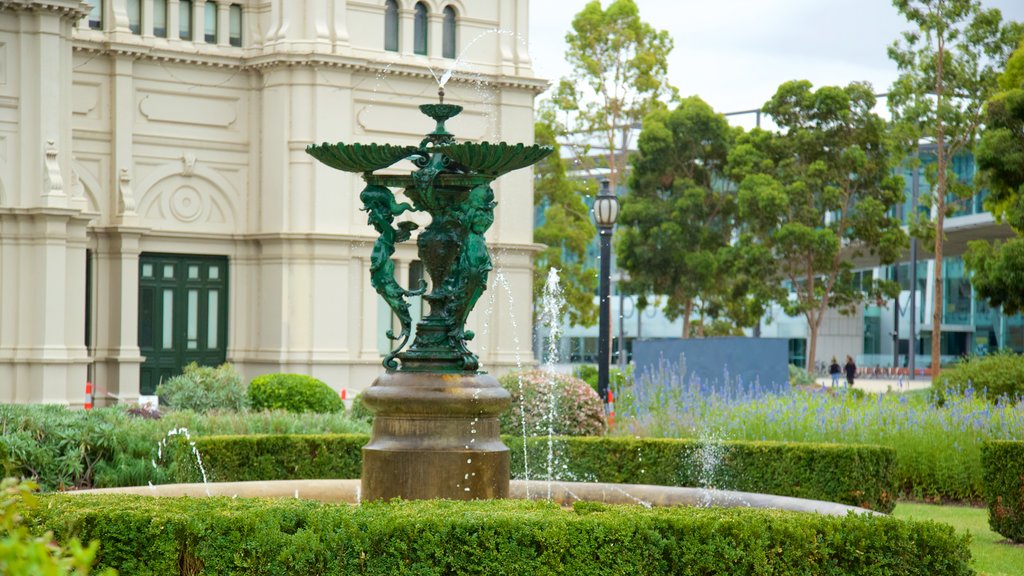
435, 434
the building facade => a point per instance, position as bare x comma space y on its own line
157, 206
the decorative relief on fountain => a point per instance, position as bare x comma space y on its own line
451, 184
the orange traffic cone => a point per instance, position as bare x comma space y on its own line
88, 395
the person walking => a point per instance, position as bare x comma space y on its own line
835, 370
850, 369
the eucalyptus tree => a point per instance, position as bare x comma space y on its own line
677, 223
948, 67
818, 194
997, 269
619, 74
566, 229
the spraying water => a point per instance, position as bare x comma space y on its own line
552, 305
195, 452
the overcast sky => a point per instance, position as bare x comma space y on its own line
735, 53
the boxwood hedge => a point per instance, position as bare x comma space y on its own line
847, 474
1003, 468
162, 536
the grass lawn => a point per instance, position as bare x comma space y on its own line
993, 556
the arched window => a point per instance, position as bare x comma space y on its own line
391, 25
235, 25
135, 16
95, 14
448, 31
160, 18
185, 19
210, 23
419, 29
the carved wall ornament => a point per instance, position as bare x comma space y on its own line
188, 164
53, 183
125, 194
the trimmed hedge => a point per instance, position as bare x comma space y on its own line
159, 536
847, 474
271, 457
1003, 465
851, 474
294, 393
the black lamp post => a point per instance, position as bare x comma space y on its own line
606, 210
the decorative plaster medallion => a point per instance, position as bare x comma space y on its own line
186, 204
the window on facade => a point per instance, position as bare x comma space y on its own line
135, 16
235, 28
448, 32
160, 18
185, 19
391, 25
419, 30
95, 17
210, 23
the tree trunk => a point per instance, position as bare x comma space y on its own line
813, 324
687, 311
939, 201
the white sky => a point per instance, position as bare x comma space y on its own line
735, 53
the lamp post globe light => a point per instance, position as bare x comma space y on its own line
606, 210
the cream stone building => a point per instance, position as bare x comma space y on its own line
157, 206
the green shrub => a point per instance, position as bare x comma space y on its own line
848, 474
359, 412
800, 377
204, 388
616, 377
270, 457
1003, 464
294, 393
552, 402
61, 448
992, 376
25, 553
144, 536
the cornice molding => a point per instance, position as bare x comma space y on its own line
73, 9
260, 61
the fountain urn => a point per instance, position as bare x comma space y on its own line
435, 431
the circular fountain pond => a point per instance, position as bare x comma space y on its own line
563, 493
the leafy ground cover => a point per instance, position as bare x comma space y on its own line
938, 446
992, 554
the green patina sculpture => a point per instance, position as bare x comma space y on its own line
452, 184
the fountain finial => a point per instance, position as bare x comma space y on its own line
440, 94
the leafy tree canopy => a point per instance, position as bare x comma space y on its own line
948, 64
678, 220
620, 67
567, 228
997, 269
817, 194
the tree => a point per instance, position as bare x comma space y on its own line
677, 222
620, 67
567, 228
997, 269
817, 195
948, 66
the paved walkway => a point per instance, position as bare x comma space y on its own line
879, 385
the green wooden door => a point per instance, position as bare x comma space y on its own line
183, 314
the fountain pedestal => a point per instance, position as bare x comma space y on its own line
435, 436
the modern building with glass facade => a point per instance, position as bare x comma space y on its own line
969, 325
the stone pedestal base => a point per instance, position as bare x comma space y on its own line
435, 436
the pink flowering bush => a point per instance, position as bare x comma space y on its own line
553, 403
